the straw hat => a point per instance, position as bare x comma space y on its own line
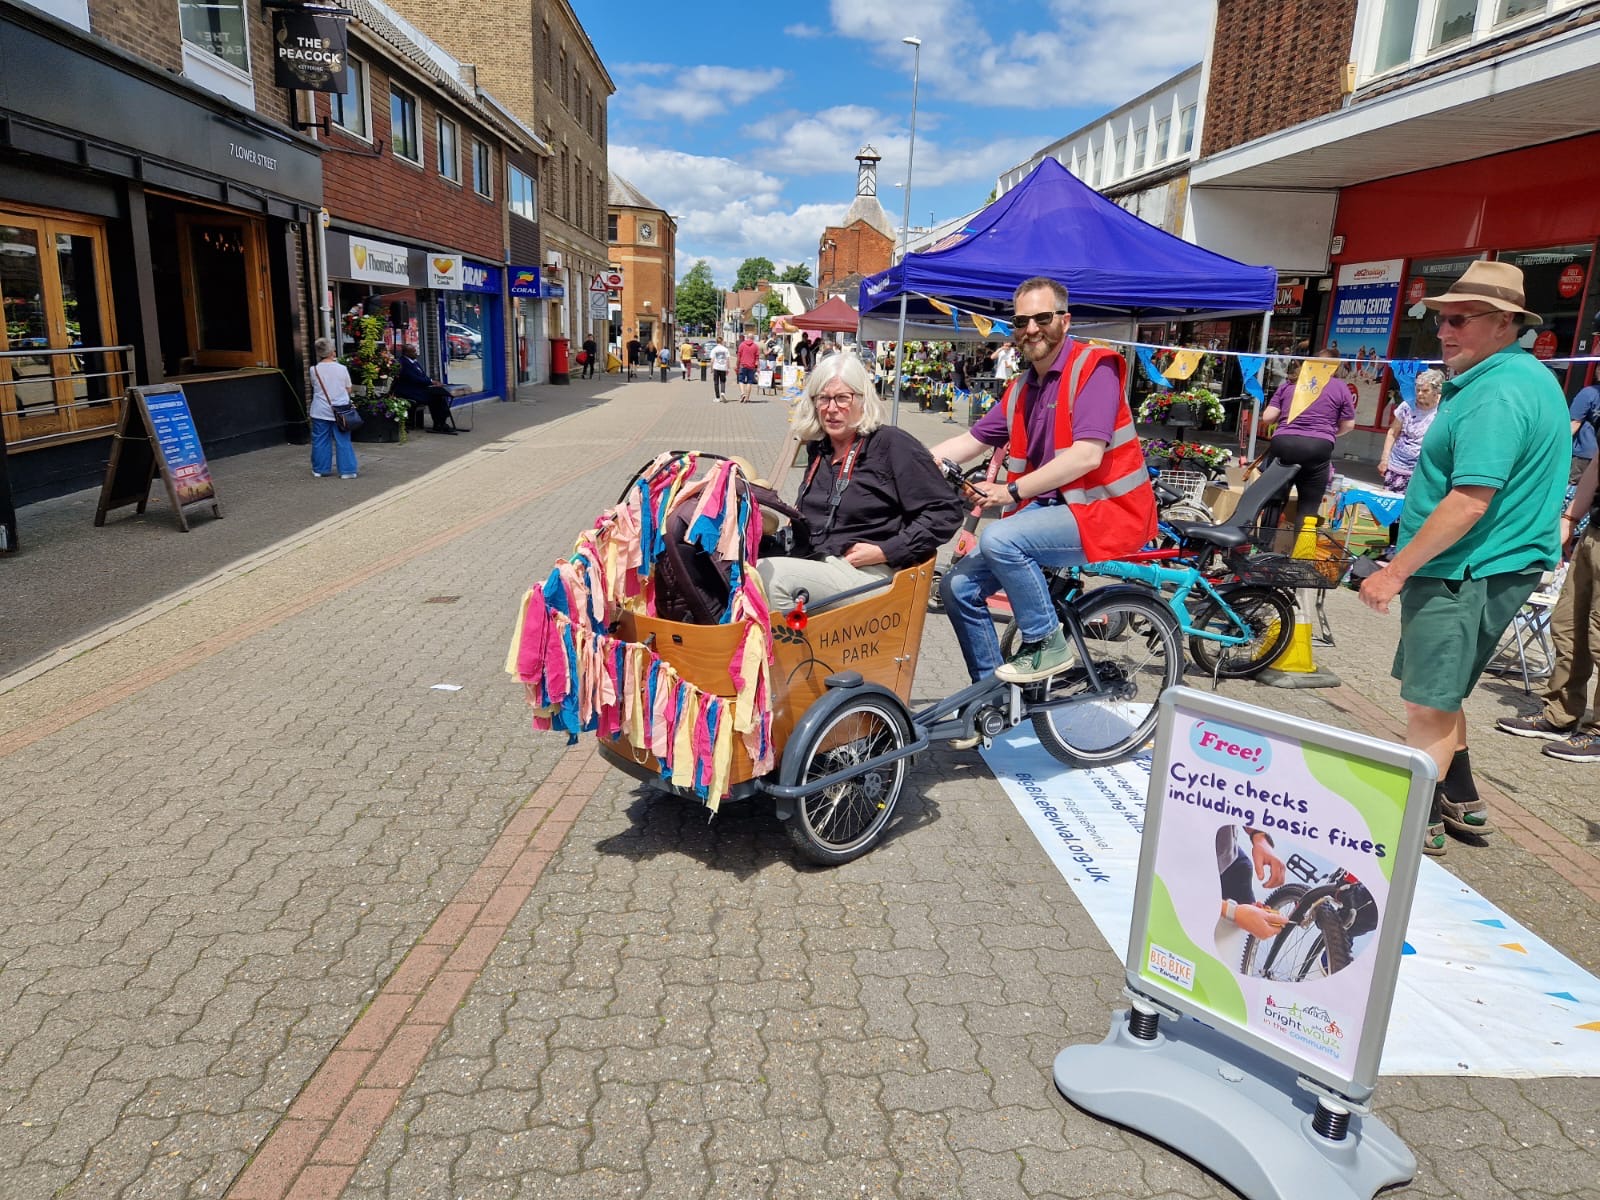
1497, 284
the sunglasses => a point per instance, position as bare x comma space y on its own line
1457, 320
1043, 320
835, 399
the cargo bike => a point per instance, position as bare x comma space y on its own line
809, 709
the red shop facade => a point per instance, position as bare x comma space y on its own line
1538, 208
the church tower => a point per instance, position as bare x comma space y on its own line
863, 243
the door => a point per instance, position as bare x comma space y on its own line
54, 285
227, 295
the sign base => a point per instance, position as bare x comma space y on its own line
1239, 1114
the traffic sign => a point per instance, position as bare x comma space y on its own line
758, 311
598, 284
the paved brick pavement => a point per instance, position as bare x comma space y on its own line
282, 919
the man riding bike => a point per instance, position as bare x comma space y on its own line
1075, 480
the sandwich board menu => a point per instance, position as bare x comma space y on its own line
156, 436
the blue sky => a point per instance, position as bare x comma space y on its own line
743, 120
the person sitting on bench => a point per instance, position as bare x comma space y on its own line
414, 383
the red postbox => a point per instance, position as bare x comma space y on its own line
560, 362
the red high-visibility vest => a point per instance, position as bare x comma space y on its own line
1114, 504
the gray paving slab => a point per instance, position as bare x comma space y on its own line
226, 823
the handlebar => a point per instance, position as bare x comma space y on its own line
958, 480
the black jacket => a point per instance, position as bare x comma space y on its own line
896, 498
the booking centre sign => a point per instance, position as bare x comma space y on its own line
1276, 872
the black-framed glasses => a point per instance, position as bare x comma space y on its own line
1043, 320
1457, 320
835, 399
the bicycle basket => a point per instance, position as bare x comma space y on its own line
1270, 558
1191, 485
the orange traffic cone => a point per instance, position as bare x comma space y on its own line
1296, 668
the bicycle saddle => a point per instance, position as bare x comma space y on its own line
1224, 537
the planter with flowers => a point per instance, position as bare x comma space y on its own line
1187, 456
372, 370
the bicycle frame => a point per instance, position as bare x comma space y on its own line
1182, 579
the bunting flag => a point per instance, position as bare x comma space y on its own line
1251, 365
1314, 376
982, 324
1406, 371
1003, 328
939, 306
1183, 364
1147, 357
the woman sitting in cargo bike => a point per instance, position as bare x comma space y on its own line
656, 634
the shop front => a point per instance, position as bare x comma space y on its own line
1536, 207
527, 321
474, 332
150, 232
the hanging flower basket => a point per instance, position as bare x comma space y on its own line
1201, 404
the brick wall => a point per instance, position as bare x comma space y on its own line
389, 193
150, 29
858, 249
647, 270
1274, 64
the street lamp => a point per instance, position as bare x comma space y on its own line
905, 229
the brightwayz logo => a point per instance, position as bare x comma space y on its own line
1224, 746
1309, 1024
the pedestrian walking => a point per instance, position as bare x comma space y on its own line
330, 388
1478, 528
719, 372
1575, 637
665, 360
748, 358
590, 349
686, 357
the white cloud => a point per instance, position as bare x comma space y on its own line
1089, 52
697, 92
726, 211
803, 31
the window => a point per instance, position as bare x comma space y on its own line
1120, 159
549, 54
522, 196
1186, 130
226, 293
611, 227
218, 28
1141, 138
55, 294
1163, 135
349, 107
1452, 22
403, 131
1510, 10
482, 169
449, 150
566, 96
1395, 34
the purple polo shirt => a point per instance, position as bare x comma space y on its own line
1335, 403
1094, 414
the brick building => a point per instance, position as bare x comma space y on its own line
862, 243
154, 201
536, 58
1376, 148
417, 187
643, 248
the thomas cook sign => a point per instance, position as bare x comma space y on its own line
308, 50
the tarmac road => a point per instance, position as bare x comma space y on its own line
280, 918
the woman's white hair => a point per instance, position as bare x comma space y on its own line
1431, 378
850, 371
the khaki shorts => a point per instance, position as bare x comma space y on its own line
1449, 630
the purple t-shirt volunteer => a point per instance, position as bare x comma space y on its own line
1094, 413
1335, 403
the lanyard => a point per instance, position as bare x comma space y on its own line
841, 482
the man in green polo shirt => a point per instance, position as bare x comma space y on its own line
1480, 525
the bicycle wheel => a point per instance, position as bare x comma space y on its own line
1133, 643
1270, 620
1282, 900
843, 822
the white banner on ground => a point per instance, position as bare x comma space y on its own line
1478, 993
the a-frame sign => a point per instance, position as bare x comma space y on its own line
156, 436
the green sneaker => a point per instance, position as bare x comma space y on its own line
1036, 660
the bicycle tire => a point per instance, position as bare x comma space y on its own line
1282, 900
1134, 639
1270, 617
843, 822
1335, 937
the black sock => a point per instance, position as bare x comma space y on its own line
1458, 783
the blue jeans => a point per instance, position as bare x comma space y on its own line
326, 437
1008, 558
